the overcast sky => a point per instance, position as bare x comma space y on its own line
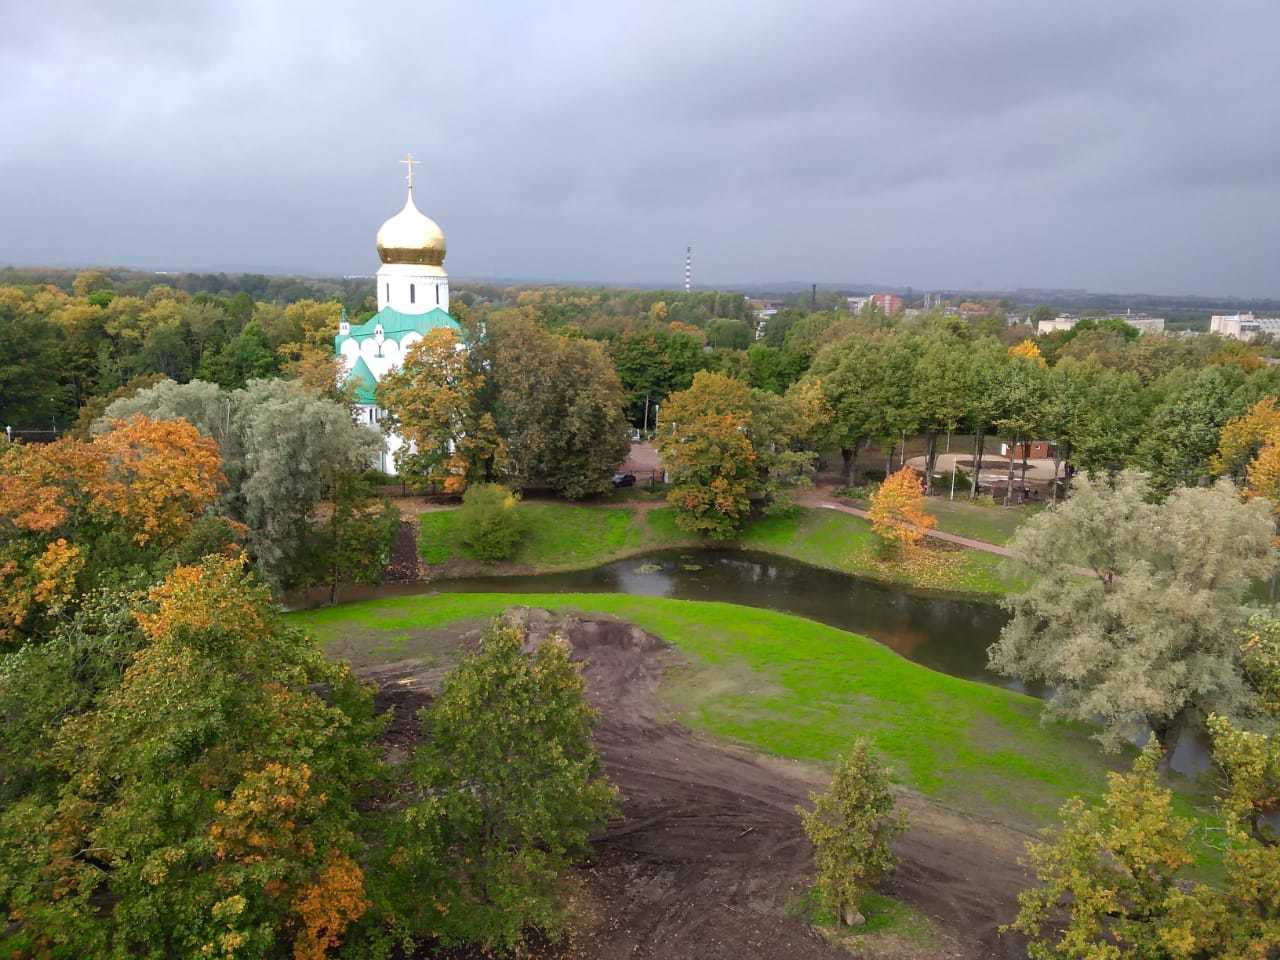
1118, 145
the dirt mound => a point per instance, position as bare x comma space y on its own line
709, 860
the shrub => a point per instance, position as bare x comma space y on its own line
489, 522
851, 826
509, 790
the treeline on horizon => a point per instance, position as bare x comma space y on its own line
72, 342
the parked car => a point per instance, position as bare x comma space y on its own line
624, 479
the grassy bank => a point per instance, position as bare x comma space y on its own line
567, 536
791, 687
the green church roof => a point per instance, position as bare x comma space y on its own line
395, 324
366, 382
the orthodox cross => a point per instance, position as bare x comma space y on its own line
408, 161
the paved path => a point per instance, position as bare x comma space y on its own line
936, 534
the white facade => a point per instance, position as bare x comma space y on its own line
1243, 326
413, 287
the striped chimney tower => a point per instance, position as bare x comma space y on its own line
688, 268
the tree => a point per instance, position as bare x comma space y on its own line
205, 803
940, 388
1183, 433
355, 545
1243, 437
851, 827
435, 401
489, 522
1027, 350
897, 512
1021, 398
706, 449
283, 449
1116, 872
732, 334
509, 790
1147, 640
653, 363
560, 407
73, 512
1110, 869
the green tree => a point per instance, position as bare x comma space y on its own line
851, 827
939, 388
354, 545
1181, 437
559, 406
489, 522
653, 363
1148, 640
731, 334
508, 791
247, 356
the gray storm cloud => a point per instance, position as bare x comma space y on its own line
1118, 146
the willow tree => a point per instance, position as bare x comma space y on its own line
1145, 636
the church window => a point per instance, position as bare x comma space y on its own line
437, 294
413, 294
388, 293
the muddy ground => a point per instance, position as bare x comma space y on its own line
708, 861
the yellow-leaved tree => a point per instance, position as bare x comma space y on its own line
897, 512
1027, 350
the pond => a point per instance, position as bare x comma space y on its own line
944, 633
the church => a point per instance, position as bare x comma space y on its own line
413, 299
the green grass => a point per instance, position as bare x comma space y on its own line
558, 536
980, 521
567, 536
883, 915
843, 542
795, 688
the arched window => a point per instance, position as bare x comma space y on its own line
413, 294
437, 294
388, 293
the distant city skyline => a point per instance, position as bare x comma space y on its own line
991, 145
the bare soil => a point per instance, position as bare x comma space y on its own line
709, 861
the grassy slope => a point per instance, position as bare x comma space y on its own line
559, 535
564, 536
994, 524
796, 688
839, 541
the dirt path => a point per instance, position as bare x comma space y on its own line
709, 859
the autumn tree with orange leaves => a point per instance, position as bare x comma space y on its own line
897, 512
203, 804
70, 509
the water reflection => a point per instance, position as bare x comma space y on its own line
945, 633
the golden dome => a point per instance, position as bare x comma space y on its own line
411, 237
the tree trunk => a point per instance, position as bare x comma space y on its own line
930, 455
888, 463
979, 442
1022, 492
1008, 491
847, 455
902, 456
